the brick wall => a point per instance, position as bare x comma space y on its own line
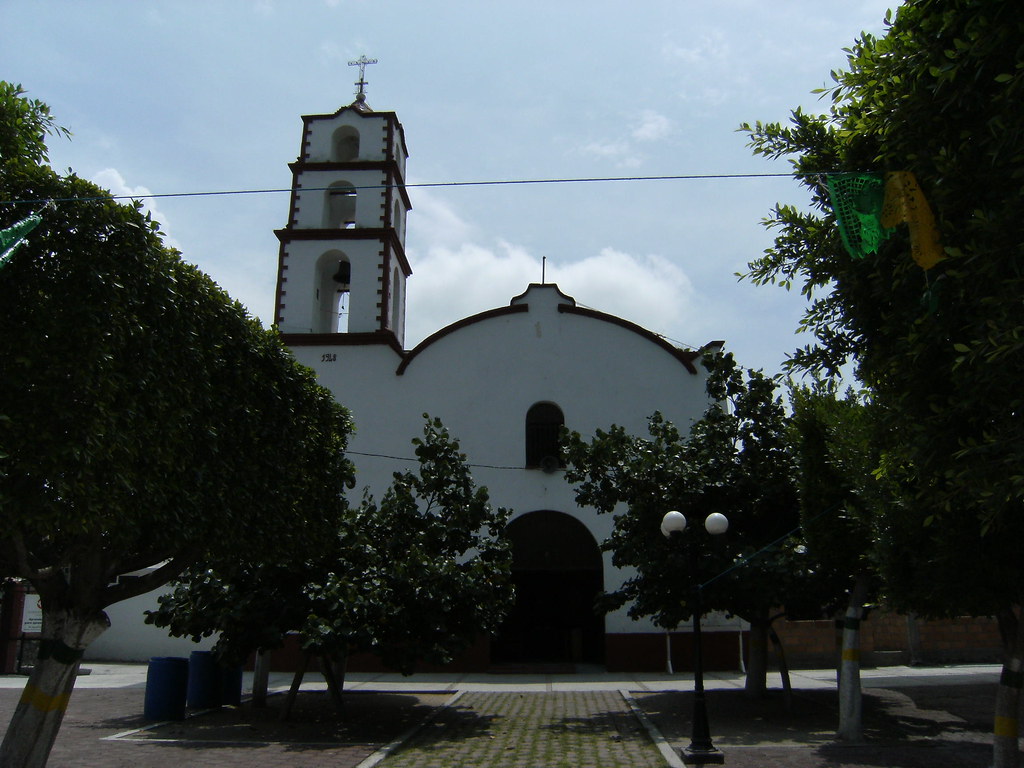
885, 638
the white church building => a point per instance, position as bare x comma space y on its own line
503, 382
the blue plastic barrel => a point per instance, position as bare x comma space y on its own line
166, 686
204, 680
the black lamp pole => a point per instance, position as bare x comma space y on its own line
701, 750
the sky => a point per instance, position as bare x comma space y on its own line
198, 96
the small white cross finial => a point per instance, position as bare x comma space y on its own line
361, 62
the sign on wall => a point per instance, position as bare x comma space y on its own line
32, 616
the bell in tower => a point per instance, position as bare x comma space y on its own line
343, 277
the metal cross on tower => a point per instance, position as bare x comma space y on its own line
361, 62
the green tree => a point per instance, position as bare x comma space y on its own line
418, 577
841, 501
939, 348
146, 422
736, 460
24, 124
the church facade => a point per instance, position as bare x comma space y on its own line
503, 382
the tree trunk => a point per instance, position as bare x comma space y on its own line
756, 683
38, 716
851, 726
261, 679
780, 654
1005, 752
913, 640
329, 669
293, 691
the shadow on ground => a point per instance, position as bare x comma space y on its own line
909, 727
367, 719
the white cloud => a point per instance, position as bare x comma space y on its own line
452, 283
652, 126
329, 52
709, 71
434, 221
456, 275
648, 290
619, 152
111, 179
707, 50
646, 127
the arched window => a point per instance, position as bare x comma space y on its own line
396, 219
396, 302
544, 422
340, 206
345, 144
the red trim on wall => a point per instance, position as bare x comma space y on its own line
392, 173
391, 118
685, 356
281, 279
343, 340
358, 233
384, 276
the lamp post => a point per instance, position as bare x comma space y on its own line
701, 751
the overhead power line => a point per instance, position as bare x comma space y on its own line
414, 460
423, 185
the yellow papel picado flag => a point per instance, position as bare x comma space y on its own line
868, 207
905, 203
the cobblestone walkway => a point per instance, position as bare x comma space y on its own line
512, 730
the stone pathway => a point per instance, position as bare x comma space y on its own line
526, 730
914, 718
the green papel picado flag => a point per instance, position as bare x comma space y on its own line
15, 235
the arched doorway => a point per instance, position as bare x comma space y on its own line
557, 572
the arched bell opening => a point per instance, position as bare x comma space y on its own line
345, 144
340, 206
334, 288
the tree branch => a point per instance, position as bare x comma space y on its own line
132, 586
140, 561
22, 556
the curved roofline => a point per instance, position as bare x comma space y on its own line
466, 321
685, 356
550, 286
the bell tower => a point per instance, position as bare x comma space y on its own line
342, 267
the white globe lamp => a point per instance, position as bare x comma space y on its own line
673, 522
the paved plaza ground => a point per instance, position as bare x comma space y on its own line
914, 717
